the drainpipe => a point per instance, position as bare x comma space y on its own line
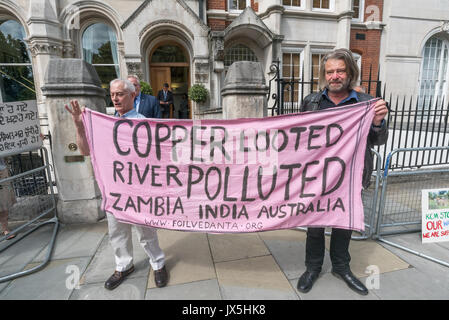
200, 11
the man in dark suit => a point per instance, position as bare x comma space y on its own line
145, 104
165, 98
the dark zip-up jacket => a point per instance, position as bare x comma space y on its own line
317, 101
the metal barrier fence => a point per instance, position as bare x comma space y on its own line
36, 204
370, 198
400, 209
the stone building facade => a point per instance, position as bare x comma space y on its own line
415, 48
184, 42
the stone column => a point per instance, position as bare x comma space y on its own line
67, 79
217, 51
44, 42
244, 92
344, 24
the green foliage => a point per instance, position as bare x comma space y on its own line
104, 54
146, 88
198, 93
16, 81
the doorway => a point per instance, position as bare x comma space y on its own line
169, 63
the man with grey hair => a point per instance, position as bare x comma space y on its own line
144, 104
338, 78
120, 234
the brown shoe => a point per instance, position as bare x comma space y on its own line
117, 278
161, 277
9, 235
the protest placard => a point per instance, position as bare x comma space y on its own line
240, 175
435, 215
19, 127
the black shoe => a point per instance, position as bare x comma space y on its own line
161, 277
117, 278
352, 282
305, 283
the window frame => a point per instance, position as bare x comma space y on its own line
231, 10
358, 59
361, 16
314, 52
292, 51
442, 82
331, 7
234, 45
301, 7
89, 23
293, 104
29, 64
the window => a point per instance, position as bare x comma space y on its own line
292, 69
168, 53
238, 5
235, 53
295, 4
315, 70
358, 8
100, 49
323, 5
238, 52
16, 72
358, 60
291, 65
434, 70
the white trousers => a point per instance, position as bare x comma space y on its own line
120, 237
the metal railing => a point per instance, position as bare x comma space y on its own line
416, 125
400, 209
39, 199
287, 94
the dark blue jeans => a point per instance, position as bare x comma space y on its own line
339, 249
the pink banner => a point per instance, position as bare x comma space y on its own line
241, 175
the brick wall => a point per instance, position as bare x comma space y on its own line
221, 24
216, 4
222, 5
216, 24
378, 4
369, 48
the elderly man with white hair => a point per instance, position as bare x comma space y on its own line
120, 235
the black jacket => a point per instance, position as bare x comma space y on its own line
316, 101
169, 98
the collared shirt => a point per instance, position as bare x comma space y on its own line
137, 102
328, 103
132, 114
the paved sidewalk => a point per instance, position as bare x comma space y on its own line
254, 266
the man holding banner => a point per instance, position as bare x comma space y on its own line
338, 76
120, 235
